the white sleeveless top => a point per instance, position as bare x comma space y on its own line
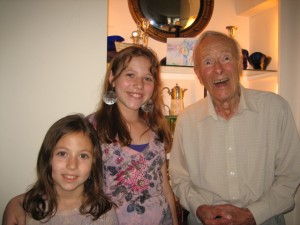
73, 217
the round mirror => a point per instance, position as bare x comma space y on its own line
172, 18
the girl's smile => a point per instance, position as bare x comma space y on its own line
135, 85
72, 162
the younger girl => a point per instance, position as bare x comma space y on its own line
68, 189
135, 137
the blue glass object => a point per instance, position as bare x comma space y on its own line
111, 42
259, 61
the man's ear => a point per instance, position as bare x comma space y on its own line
200, 79
241, 65
197, 72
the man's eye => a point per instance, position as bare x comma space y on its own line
207, 62
129, 74
226, 58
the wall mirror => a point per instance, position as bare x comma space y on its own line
172, 18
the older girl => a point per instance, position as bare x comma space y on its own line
135, 137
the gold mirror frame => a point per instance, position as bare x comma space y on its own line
203, 18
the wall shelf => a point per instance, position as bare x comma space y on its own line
177, 69
253, 72
190, 70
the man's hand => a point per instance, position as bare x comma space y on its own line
225, 215
240, 216
14, 213
213, 215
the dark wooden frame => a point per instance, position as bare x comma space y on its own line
203, 18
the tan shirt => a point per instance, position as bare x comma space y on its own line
252, 160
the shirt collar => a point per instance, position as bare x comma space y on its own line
246, 103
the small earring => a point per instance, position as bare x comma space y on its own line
110, 97
148, 107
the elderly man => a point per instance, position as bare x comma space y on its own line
236, 153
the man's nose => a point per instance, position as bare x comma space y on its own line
218, 67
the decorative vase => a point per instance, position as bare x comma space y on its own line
231, 30
259, 61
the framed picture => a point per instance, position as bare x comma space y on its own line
180, 51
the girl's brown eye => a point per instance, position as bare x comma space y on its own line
149, 78
129, 74
61, 153
84, 156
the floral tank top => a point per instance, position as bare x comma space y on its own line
133, 180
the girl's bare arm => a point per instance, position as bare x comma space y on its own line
169, 194
14, 213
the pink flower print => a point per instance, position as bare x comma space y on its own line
119, 160
125, 176
140, 183
105, 155
134, 177
141, 164
106, 150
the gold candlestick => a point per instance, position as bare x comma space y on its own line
145, 25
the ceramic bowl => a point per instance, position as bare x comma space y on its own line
259, 61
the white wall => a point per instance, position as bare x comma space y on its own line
263, 35
289, 78
52, 59
289, 71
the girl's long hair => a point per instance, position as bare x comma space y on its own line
109, 120
41, 199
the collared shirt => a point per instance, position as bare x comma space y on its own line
251, 160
